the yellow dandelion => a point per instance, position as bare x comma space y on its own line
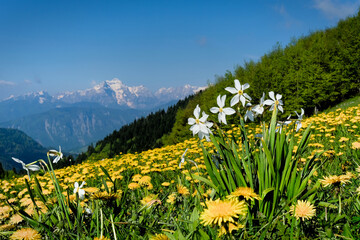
159, 236
145, 180
303, 210
327, 181
231, 227
137, 177
355, 145
16, 219
133, 185
147, 199
222, 211
101, 238
343, 139
105, 196
165, 184
345, 178
245, 192
172, 198
182, 190
6, 227
26, 234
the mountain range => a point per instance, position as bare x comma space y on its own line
76, 119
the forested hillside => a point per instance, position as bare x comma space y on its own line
318, 70
142, 134
15, 143
314, 71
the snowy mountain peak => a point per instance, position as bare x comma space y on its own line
114, 93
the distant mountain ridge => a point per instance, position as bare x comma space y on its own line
76, 119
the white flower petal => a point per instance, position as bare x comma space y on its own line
268, 102
231, 90
271, 95
191, 121
245, 86
214, 109
229, 111
237, 84
235, 100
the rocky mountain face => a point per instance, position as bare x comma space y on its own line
114, 93
76, 119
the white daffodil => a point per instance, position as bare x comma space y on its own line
27, 167
259, 109
285, 123
249, 113
300, 117
182, 158
199, 125
57, 154
77, 189
239, 91
274, 102
221, 110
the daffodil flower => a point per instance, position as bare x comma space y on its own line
27, 167
274, 102
57, 154
249, 113
239, 91
259, 109
221, 110
182, 158
77, 189
199, 125
298, 121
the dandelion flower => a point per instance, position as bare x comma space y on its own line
147, 199
165, 184
303, 210
222, 211
355, 145
172, 198
183, 190
101, 238
333, 179
160, 236
133, 185
26, 234
245, 192
145, 180
230, 228
16, 219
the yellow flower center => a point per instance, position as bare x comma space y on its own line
220, 110
197, 121
240, 92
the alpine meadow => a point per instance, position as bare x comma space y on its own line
270, 151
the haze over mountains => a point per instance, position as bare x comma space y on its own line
76, 119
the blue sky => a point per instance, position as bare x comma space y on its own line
65, 45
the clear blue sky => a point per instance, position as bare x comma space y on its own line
71, 45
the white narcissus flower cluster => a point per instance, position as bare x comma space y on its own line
200, 125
